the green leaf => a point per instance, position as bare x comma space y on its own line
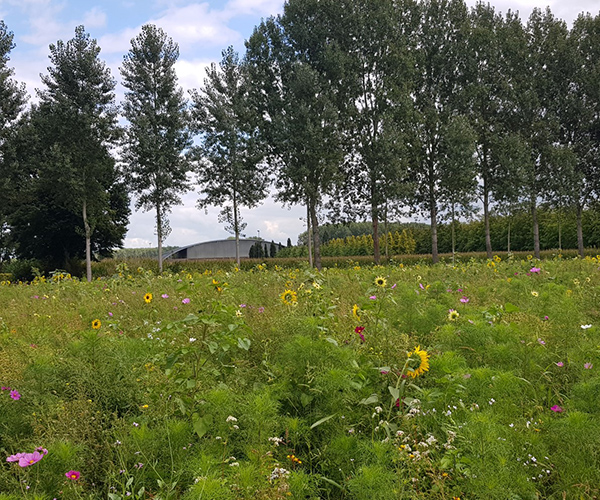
324, 419
201, 424
244, 343
373, 398
332, 341
510, 308
394, 391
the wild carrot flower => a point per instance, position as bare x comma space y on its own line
73, 475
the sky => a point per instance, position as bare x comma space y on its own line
202, 30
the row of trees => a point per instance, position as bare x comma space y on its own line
361, 108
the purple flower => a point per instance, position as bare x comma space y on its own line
164, 296
421, 285
27, 459
15, 395
4, 388
135, 424
14, 458
588, 366
261, 309
560, 364
394, 286
242, 305
464, 299
535, 270
110, 314
373, 297
73, 475
546, 318
541, 342
557, 409
185, 301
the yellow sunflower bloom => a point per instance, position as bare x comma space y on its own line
289, 297
96, 324
148, 298
380, 281
423, 358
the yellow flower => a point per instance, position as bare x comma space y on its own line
96, 324
289, 297
148, 298
355, 310
423, 358
453, 315
380, 281
534, 293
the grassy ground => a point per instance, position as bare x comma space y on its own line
478, 380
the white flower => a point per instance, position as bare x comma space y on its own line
234, 464
276, 440
192, 339
585, 327
231, 419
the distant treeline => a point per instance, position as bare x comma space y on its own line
557, 230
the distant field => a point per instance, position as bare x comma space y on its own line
474, 381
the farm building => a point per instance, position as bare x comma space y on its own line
218, 249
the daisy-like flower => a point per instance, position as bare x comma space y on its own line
15, 395
422, 357
360, 330
148, 298
289, 297
453, 314
96, 324
355, 311
73, 475
534, 293
380, 281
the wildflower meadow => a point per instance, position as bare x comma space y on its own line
473, 380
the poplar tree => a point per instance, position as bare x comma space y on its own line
158, 133
231, 167
80, 112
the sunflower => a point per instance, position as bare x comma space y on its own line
96, 324
289, 297
148, 298
453, 315
423, 358
355, 310
380, 281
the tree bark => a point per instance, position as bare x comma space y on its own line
486, 219
237, 232
434, 236
309, 234
536, 231
88, 243
453, 237
580, 229
376, 250
316, 237
159, 234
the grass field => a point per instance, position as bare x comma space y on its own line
472, 381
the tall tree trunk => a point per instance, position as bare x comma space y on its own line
453, 236
434, 236
376, 251
159, 234
580, 229
316, 236
88, 243
559, 232
536, 230
486, 220
237, 232
385, 227
508, 238
309, 234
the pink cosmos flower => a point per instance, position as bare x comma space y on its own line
4, 388
261, 309
541, 342
373, 297
27, 459
15, 395
560, 364
73, 475
557, 409
185, 301
394, 286
588, 366
464, 299
164, 296
14, 458
535, 270
421, 285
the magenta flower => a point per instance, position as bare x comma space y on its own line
546, 318
541, 342
164, 296
373, 297
560, 364
588, 366
261, 309
110, 314
464, 299
73, 475
421, 285
27, 459
15, 395
4, 388
394, 286
557, 409
535, 270
14, 458
185, 301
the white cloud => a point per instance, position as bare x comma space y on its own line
191, 73
256, 7
94, 18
